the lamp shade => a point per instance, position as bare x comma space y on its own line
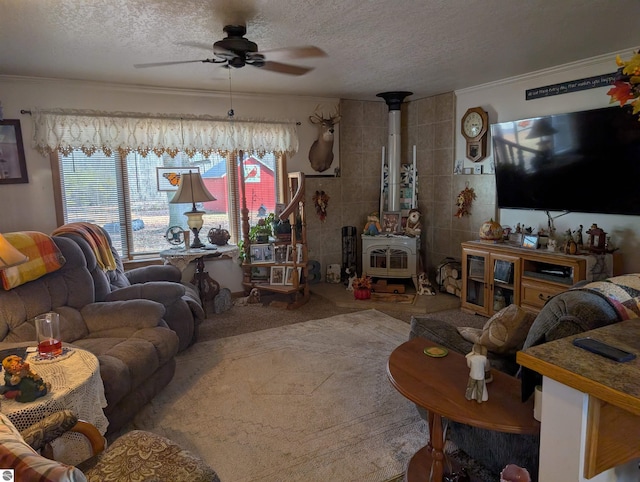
10, 256
192, 190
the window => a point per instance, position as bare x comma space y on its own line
124, 195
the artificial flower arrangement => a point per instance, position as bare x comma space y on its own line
363, 283
627, 83
464, 200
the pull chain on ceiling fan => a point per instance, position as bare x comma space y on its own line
230, 112
236, 51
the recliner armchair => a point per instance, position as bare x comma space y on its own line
160, 283
136, 455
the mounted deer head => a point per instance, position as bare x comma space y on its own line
321, 152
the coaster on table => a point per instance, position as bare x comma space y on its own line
66, 353
436, 351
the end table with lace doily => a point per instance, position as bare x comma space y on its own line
76, 385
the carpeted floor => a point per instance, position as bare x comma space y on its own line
247, 400
309, 401
329, 300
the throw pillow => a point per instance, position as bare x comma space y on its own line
504, 333
44, 257
27, 463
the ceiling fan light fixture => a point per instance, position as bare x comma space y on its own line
237, 62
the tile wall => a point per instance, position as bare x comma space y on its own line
427, 123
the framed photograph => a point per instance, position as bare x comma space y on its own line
261, 253
268, 253
13, 167
530, 241
256, 254
503, 271
280, 253
299, 253
277, 275
169, 177
291, 253
259, 273
391, 222
476, 267
288, 280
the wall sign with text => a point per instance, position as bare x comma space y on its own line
570, 86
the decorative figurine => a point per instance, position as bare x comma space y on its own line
570, 246
424, 285
351, 273
477, 363
414, 226
20, 382
372, 228
579, 239
254, 297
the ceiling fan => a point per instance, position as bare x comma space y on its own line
236, 51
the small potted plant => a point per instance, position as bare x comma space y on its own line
261, 231
362, 288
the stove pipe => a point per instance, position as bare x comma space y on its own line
394, 101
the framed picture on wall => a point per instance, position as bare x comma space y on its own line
13, 167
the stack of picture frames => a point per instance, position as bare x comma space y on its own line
280, 262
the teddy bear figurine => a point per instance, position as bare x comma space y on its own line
413, 226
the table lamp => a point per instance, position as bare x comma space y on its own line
10, 256
192, 190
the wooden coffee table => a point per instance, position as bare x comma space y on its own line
438, 385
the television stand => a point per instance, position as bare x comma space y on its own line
500, 274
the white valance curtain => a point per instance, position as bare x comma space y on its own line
64, 130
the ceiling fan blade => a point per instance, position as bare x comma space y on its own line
224, 53
197, 45
284, 68
161, 64
302, 52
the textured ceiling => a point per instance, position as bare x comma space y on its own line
424, 46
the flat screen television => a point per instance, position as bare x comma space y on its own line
586, 161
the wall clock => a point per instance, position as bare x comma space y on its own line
475, 124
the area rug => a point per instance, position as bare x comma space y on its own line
304, 402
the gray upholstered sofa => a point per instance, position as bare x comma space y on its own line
571, 312
183, 308
133, 343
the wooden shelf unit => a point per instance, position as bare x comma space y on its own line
495, 275
294, 212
